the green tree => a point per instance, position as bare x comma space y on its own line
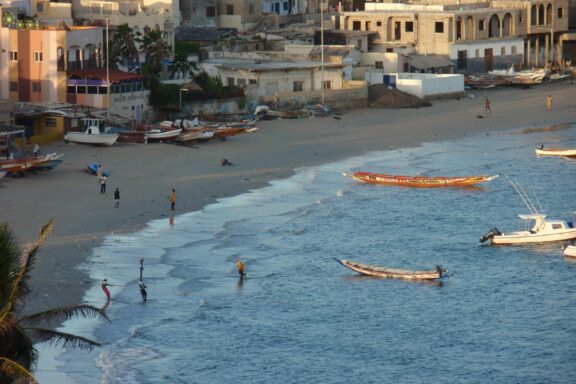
155, 49
19, 333
123, 47
180, 64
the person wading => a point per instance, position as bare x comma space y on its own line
172, 199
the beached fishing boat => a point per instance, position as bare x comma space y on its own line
556, 152
389, 273
418, 181
2, 174
570, 251
537, 229
93, 134
26, 163
223, 132
163, 134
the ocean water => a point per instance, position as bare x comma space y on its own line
506, 315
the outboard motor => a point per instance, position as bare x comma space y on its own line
491, 233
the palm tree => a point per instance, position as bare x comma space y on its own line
180, 64
123, 47
155, 48
19, 333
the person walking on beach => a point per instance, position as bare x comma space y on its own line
36, 150
549, 102
117, 198
487, 105
102, 181
172, 199
104, 284
143, 292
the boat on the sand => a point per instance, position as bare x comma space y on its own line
556, 152
92, 134
390, 273
418, 181
26, 163
163, 134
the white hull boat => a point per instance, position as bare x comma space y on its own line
160, 134
537, 228
92, 134
556, 152
570, 251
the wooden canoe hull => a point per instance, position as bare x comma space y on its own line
20, 165
389, 273
418, 181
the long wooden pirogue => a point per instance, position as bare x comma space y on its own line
373, 270
418, 181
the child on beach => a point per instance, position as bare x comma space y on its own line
117, 198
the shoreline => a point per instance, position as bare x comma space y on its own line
145, 174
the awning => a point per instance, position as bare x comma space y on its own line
430, 61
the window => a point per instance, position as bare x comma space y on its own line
37, 56
389, 50
36, 87
439, 27
481, 24
462, 59
242, 83
13, 55
328, 84
50, 122
356, 25
477, 53
409, 26
210, 12
560, 13
514, 50
13, 86
60, 59
503, 51
40, 7
379, 64
250, 9
95, 8
107, 9
229, 9
378, 23
285, 6
557, 226
230, 81
297, 86
253, 81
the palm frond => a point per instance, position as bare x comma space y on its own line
55, 338
27, 259
64, 313
16, 345
14, 370
10, 262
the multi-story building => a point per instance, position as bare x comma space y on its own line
199, 13
474, 35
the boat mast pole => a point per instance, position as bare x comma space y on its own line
107, 74
322, 45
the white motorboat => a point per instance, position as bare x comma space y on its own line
92, 134
570, 251
538, 230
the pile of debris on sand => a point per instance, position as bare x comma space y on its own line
384, 96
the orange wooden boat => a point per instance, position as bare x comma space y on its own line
418, 181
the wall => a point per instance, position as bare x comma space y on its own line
194, 108
337, 98
425, 86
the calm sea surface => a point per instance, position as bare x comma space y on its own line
507, 315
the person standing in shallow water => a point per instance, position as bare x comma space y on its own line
104, 284
487, 105
117, 198
172, 199
143, 292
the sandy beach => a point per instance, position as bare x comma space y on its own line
145, 174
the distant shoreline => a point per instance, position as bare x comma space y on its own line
145, 174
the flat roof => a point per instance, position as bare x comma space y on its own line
257, 66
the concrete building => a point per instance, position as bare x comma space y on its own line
474, 35
199, 13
